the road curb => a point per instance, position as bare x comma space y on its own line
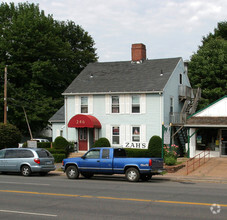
173, 179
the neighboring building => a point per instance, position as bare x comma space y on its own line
208, 128
126, 102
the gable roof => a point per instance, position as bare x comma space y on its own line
123, 76
59, 116
214, 115
215, 109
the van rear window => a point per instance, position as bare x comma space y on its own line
43, 154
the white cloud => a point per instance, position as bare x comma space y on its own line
168, 27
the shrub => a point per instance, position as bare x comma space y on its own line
43, 144
102, 142
170, 160
39, 145
70, 148
10, 136
58, 157
136, 152
55, 151
155, 146
60, 143
171, 151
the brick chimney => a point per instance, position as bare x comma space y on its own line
138, 52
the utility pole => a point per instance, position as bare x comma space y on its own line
30, 132
5, 97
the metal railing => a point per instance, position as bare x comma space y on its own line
197, 161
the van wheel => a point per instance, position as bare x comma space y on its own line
26, 170
72, 172
132, 175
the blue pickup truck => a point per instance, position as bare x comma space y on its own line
112, 161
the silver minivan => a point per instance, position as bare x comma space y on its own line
26, 161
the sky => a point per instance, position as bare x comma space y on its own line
168, 28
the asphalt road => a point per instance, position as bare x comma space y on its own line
56, 197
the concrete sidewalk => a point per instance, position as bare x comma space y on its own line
213, 171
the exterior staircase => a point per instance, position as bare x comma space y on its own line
190, 97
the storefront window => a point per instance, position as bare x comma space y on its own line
208, 139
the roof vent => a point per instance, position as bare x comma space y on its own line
161, 74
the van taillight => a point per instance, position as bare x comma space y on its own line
150, 162
37, 160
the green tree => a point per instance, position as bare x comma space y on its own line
43, 57
208, 67
10, 136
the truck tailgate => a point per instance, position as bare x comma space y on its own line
157, 163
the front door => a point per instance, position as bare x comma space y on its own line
224, 143
82, 139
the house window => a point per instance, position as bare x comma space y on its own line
171, 105
135, 104
115, 104
136, 134
115, 135
84, 104
181, 80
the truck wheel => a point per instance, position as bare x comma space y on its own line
72, 172
87, 175
132, 175
145, 177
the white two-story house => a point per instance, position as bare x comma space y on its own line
126, 102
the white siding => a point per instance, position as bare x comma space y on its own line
143, 103
108, 133
122, 134
128, 133
143, 133
77, 105
107, 103
90, 104
122, 104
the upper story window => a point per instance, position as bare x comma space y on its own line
115, 135
136, 134
181, 79
84, 104
135, 104
171, 104
115, 104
